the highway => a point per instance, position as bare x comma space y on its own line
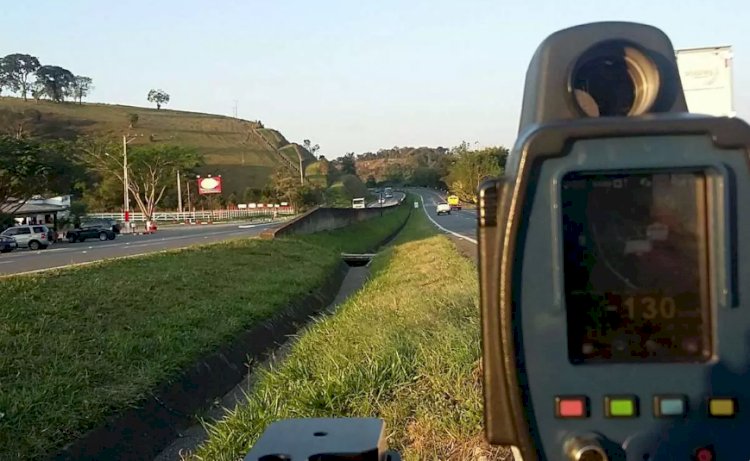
397, 197
64, 253
461, 224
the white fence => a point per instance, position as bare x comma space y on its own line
198, 216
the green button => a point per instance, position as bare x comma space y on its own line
621, 407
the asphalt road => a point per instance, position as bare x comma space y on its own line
64, 253
397, 197
461, 224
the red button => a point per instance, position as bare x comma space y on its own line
704, 454
571, 407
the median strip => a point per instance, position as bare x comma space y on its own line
78, 346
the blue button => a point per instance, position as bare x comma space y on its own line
670, 406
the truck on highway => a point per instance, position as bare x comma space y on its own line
454, 202
388, 192
706, 75
358, 203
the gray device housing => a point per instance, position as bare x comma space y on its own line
525, 346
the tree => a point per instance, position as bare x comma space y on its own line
251, 195
394, 174
287, 188
472, 167
285, 185
309, 147
151, 170
37, 91
67, 174
15, 70
132, 120
56, 81
371, 182
22, 172
80, 88
348, 166
158, 97
425, 177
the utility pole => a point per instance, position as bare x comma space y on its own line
301, 171
188, 193
179, 193
126, 201
126, 194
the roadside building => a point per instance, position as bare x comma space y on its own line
39, 210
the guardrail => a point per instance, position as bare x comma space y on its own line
196, 216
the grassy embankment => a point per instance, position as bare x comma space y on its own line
404, 348
233, 148
349, 187
80, 344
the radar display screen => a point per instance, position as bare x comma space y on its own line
636, 267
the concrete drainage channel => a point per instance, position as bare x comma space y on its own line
356, 274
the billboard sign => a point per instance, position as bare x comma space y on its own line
209, 185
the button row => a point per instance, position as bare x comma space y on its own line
626, 406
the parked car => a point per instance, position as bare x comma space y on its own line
7, 244
33, 237
90, 232
443, 208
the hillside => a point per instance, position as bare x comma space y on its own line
245, 153
416, 165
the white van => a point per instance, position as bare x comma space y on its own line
358, 203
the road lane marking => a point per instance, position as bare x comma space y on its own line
461, 236
7, 262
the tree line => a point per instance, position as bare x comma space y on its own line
23, 74
459, 169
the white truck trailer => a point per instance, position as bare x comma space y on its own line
706, 75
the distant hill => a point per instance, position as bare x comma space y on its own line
244, 153
416, 165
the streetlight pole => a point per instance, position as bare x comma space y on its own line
125, 180
126, 201
179, 193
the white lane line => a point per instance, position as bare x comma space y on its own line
7, 262
443, 228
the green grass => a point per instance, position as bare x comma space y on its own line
80, 344
230, 147
404, 348
348, 239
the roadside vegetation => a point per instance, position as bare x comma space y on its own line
404, 348
78, 345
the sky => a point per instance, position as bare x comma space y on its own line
351, 76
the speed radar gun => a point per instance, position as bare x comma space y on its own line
614, 259
615, 262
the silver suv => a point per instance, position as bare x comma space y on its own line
32, 237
